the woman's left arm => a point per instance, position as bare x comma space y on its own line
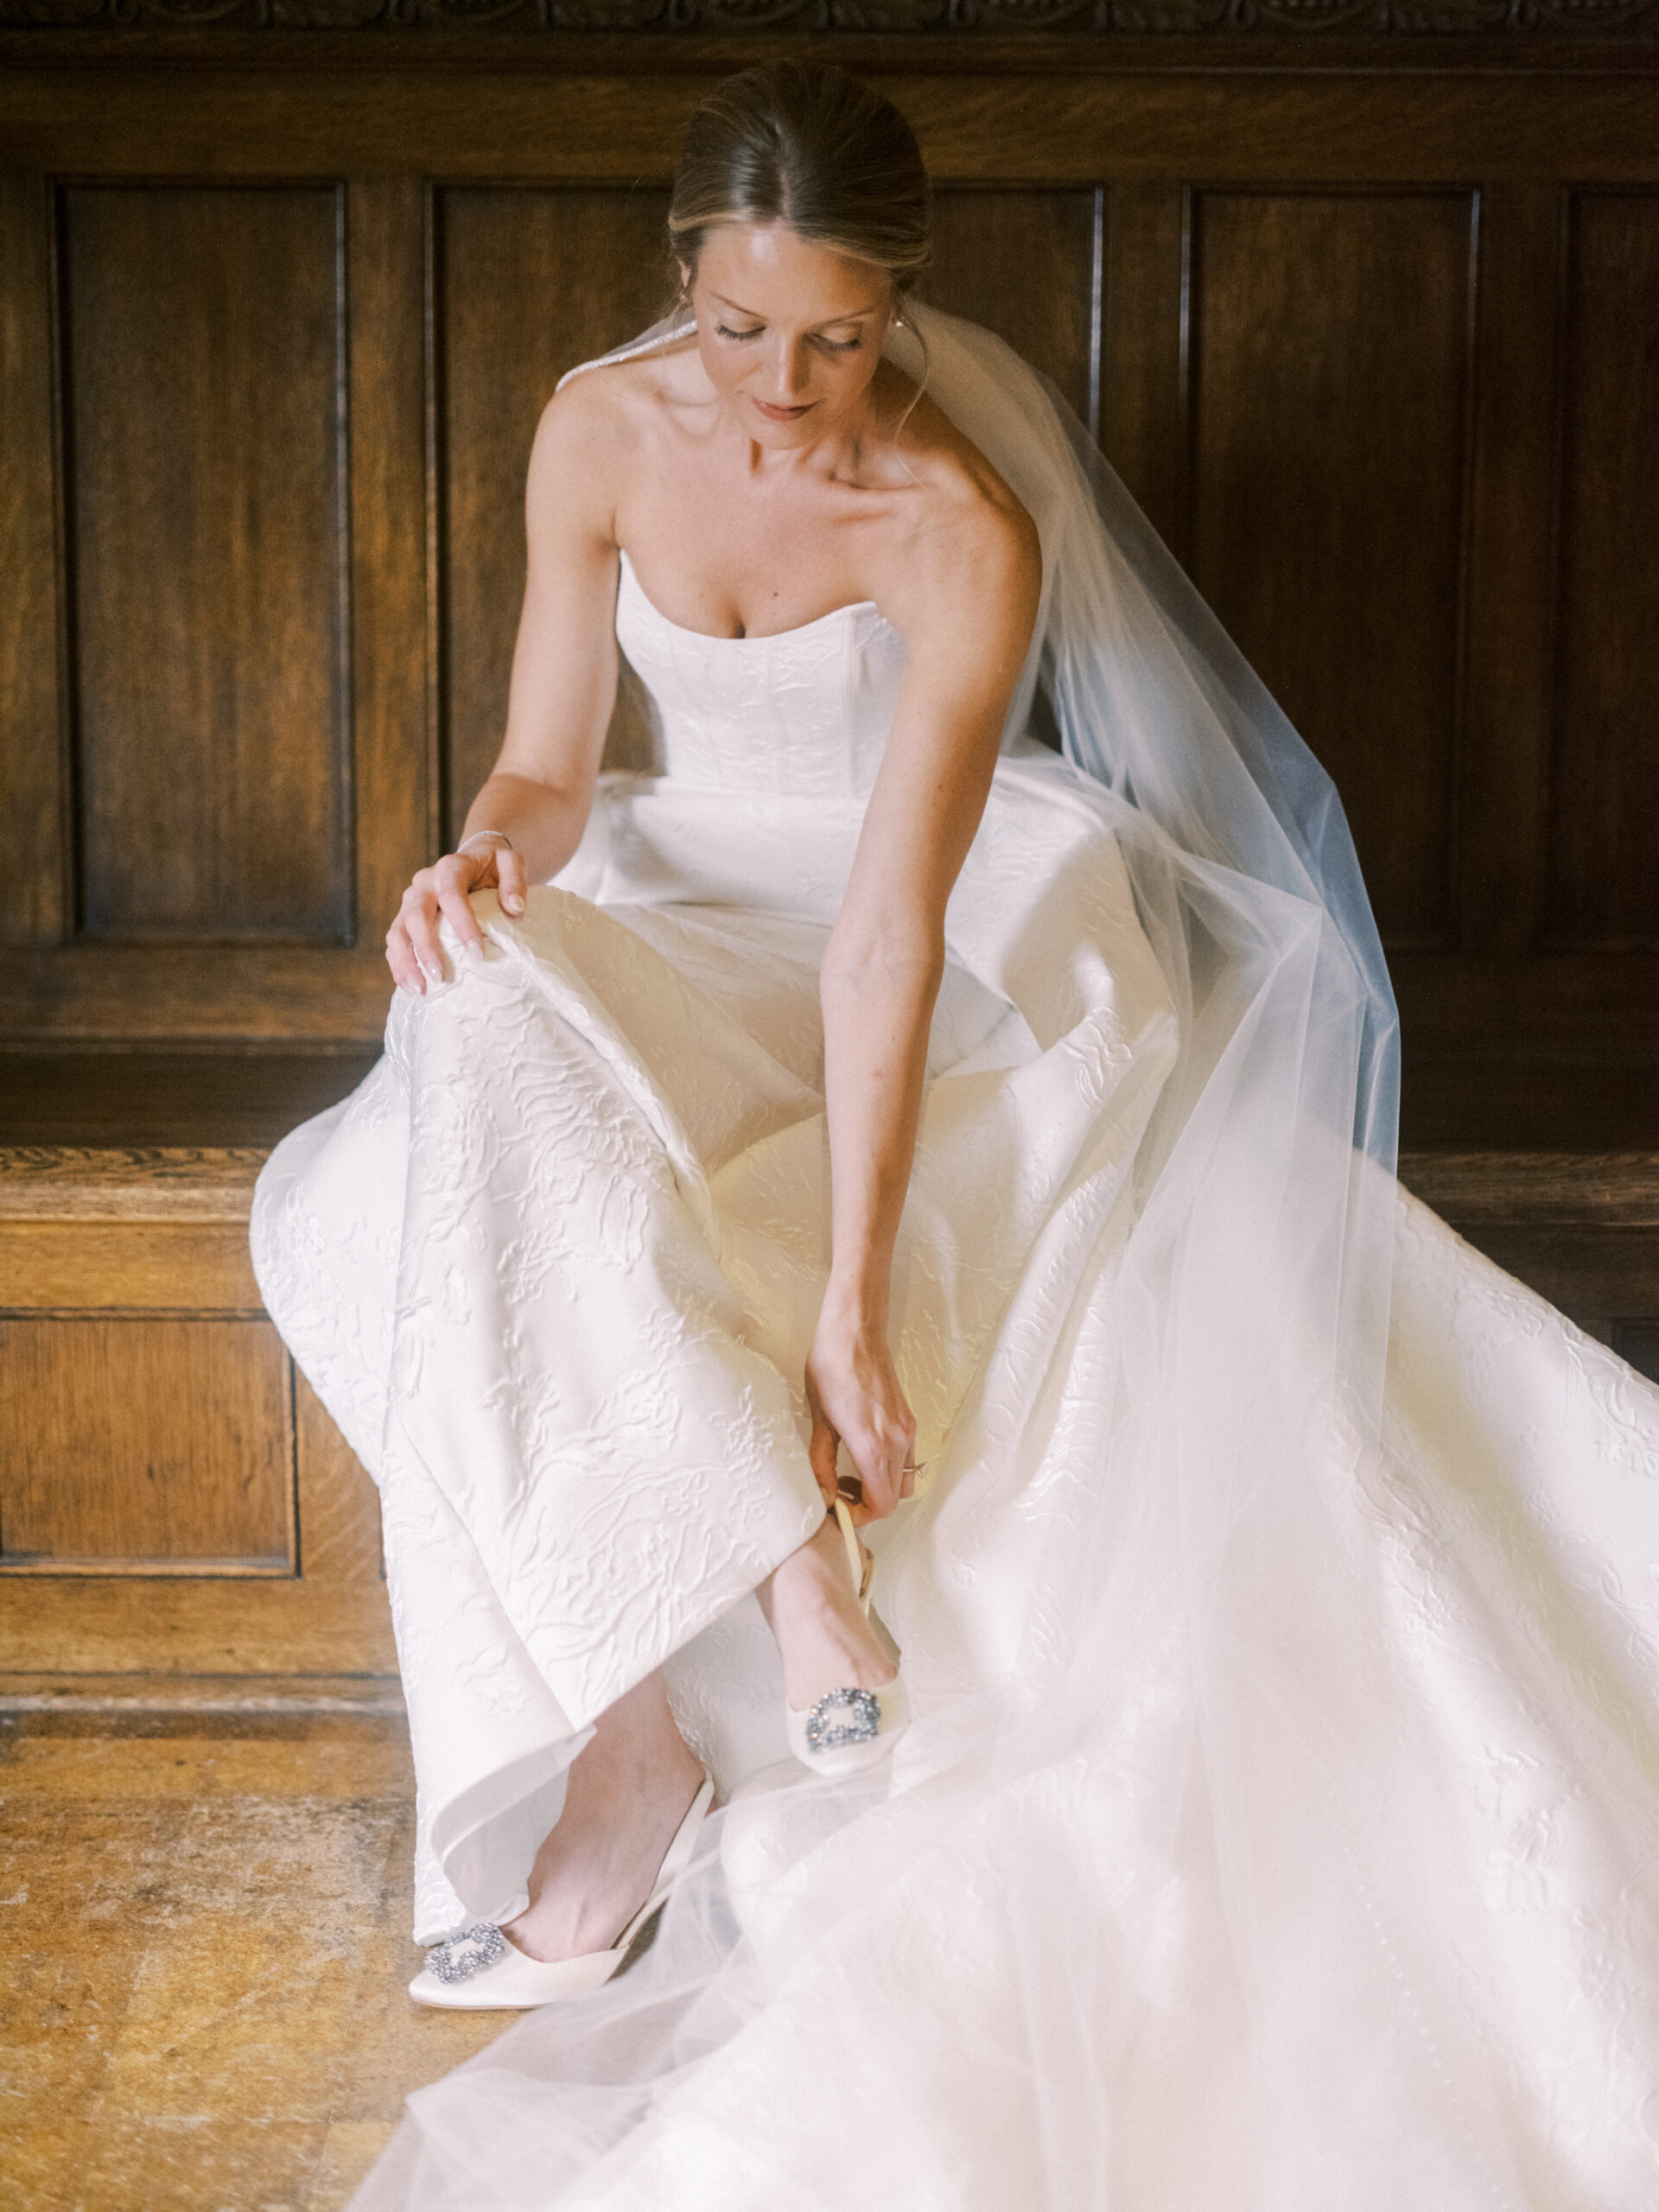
966, 607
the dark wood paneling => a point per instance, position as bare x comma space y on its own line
139, 1097
203, 358
1330, 348
393, 721
529, 283
164, 1443
1604, 883
1503, 800
1143, 373
1026, 264
32, 906
1035, 117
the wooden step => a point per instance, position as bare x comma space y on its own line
1581, 1228
174, 1500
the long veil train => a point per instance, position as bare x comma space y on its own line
1280, 1829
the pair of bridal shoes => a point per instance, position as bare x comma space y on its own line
850, 1729
480, 1971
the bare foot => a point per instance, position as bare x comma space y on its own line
628, 1792
824, 1640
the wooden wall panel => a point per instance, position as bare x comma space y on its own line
159, 1444
1144, 395
32, 905
528, 283
1330, 366
1027, 265
393, 733
203, 352
338, 1505
1604, 885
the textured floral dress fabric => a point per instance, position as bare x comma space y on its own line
1337, 1888
555, 1266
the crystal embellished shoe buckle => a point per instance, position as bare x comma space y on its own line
458, 1958
861, 1726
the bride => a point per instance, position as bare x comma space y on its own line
876, 1132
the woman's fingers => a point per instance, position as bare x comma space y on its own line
413, 950
420, 924
821, 1452
878, 1454
455, 881
510, 880
400, 958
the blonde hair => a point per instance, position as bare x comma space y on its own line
805, 143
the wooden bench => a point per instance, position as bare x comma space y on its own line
175, 1502
174, 1498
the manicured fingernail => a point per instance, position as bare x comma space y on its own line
433, 975
513, 903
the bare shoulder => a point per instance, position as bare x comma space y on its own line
965, 556
593, 428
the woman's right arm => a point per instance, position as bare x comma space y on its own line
564, 669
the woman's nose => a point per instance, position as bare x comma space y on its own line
790, 370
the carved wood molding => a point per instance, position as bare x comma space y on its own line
950, 19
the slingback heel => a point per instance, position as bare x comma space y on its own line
852, 1728
480, 1971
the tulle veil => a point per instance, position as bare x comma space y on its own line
1145, 1926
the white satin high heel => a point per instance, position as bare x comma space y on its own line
850, 1729
480, 1971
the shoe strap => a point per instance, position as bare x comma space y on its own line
859, 1568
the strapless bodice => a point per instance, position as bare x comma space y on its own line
805, 712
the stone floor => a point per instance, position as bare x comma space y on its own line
203, 1950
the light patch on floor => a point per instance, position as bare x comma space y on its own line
204, 1945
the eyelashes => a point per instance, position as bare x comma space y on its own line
828, 345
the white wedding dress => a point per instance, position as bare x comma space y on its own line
1279, 1828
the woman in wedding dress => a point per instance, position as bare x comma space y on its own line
873, 1107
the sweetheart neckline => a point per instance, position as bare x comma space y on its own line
770, 636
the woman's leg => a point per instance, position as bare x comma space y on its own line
631, 1787
629, 1791
824, 1640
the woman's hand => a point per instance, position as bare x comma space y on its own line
856, 1398
412, 950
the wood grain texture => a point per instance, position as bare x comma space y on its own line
143, 1266
203, 350
1036, 123
338, 1505
529, 284
189, 1099
1604, 886
134, 1443
217, 993
1330, 360
138, 1183
1597, 1190
1024, 265
1504, 798
395, 774
1144, 428
187, 1626
34, 905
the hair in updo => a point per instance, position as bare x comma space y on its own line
805, 143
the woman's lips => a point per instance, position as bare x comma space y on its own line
782, 414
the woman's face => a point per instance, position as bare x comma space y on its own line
791, 333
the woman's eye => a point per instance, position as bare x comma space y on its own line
841, 344
740, 334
